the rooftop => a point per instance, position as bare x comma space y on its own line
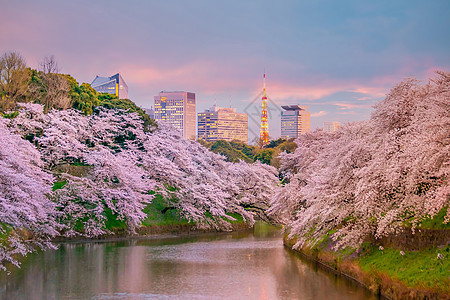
101, 80
294, 107
98, 81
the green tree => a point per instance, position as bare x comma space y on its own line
84, 97
248, 151
275, 143
225, 148
264, 156
14, 78
49, 88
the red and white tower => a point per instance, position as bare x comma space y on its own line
264, 131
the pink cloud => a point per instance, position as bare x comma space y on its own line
345, 106
375, 91
364, 98
419, 69
286, 91
319, 114
198, 74
348, 113
283, 91
213, 77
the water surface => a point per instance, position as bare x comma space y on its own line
222, 266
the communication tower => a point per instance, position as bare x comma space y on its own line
264, 132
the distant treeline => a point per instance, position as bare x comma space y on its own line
46, 86
235, 150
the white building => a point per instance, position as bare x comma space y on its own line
331, 126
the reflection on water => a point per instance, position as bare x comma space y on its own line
223, 266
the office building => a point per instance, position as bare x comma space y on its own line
331, 126
177, 108
219, 123
295, 120
112, 85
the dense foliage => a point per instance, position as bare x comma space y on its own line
371, 178
14, 77
24, 204
108, 167
235, 151
46, 86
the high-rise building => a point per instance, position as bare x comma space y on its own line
177, 108
331, 126
112, 85
295, 120
219, 123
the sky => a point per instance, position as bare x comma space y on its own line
338, 57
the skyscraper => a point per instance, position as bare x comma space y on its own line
112, 85
331, 126
264, 131
220, 123
177, 108
295, 120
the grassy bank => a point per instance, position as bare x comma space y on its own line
420, 269
416, 274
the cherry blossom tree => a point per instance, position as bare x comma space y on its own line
27, 216
125, 163
371, 177
115, 184
206, 186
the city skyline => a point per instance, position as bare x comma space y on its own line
338, 58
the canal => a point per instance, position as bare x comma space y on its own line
251, 265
